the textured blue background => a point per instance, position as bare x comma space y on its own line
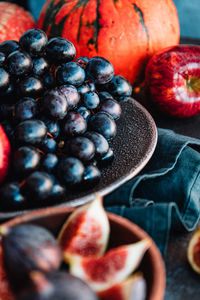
188, 11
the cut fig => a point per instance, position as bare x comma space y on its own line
5, 151
5, 291
86, 231
101, 273
193, 252
133, 288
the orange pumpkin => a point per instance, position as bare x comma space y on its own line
126, 32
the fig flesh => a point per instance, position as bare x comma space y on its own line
101, 273
27, 248
5, 151
133, 288
86, 231
57, 285
193, 252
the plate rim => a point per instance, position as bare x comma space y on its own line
112, 186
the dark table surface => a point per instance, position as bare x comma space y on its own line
182, 282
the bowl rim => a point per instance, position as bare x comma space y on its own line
158, 266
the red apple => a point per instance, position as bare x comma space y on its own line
5, 151
173, 80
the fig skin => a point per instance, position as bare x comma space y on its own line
28, 248
58, 285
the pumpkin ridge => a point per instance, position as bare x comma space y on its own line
141, 15
81, 17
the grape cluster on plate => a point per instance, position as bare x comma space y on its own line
59, 115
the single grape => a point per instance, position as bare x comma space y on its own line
104, 96
49, 81
26, 108
111, 107
119, 87
48, 144
30, 132
38, 186
58, 192
8, 95
49, 162
33, 41
74, 124
11, 197
83, 111
8, 47
54, 105
71, 95
26, 159
60, 50
104, 124
30, 87
107, 159
53, 126
19, 63
100, 70
86, 87
91, 100
91, 176
70, 73
82, 148
70, 170
99, 141
82, 61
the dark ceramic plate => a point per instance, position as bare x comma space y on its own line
134, 145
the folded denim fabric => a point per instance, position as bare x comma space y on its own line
166, 193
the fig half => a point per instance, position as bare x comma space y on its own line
86, 231
101, 273
193, 252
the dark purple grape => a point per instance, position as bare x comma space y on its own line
83, 111
99, 141
30, 87
70, 170
100, 70
19, 63
49, 162
91, 100
106, 159
86, 87
25, 109
104, 124
91, 176
30, 132
49, 81
8, 94
58, 192
111, 107
2, 59
104, 96
74, 124
33, 41
60, 50
48, 144
40, 66
11, 197
71, 95
4, 79
38, 186
70, 73
119, 87
82, 61
54, 105
26, 159
53, 126
8, 47
82, 148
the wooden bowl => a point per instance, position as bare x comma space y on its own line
122, 232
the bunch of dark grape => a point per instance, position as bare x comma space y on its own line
59, 115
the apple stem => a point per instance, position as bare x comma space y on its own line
193, 83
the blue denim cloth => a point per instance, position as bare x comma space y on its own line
166, 194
